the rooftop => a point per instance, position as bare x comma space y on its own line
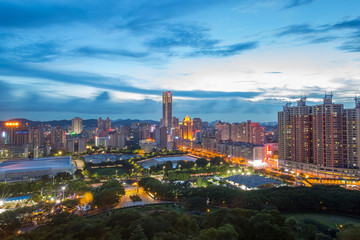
15, 165
252, 181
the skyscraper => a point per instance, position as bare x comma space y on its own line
167, 120
187, 128
76, 125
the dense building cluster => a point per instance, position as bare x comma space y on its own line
19, 139
325, 135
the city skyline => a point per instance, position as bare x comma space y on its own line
238, 60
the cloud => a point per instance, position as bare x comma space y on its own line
273, 72
297, 3
198, 40
347, 24
102, 52
225, 51
119, 83
328, 33
301, 29
180, 35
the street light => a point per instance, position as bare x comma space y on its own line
63, 188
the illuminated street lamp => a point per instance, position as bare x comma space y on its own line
63, 189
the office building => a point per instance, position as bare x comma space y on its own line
14, 134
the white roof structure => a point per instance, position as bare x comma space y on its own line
25, 169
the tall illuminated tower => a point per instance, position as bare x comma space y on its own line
167, 120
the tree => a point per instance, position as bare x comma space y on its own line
168, 165
201, 162
195, 203
216, 161
138, 234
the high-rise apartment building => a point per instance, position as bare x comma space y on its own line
76, 125
326, 135
352, 117
36, 138
223, 129
197, 124
58, 138
329, 133
167, 120
295, 132
257, 134
104, 124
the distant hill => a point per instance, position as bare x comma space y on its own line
89, 123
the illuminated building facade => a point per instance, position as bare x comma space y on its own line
187, 128
13, 134
147, 145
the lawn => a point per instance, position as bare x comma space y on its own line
101, 172
324, 218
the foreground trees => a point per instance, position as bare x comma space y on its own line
285, 199
224, 224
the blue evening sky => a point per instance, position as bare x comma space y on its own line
228, 60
